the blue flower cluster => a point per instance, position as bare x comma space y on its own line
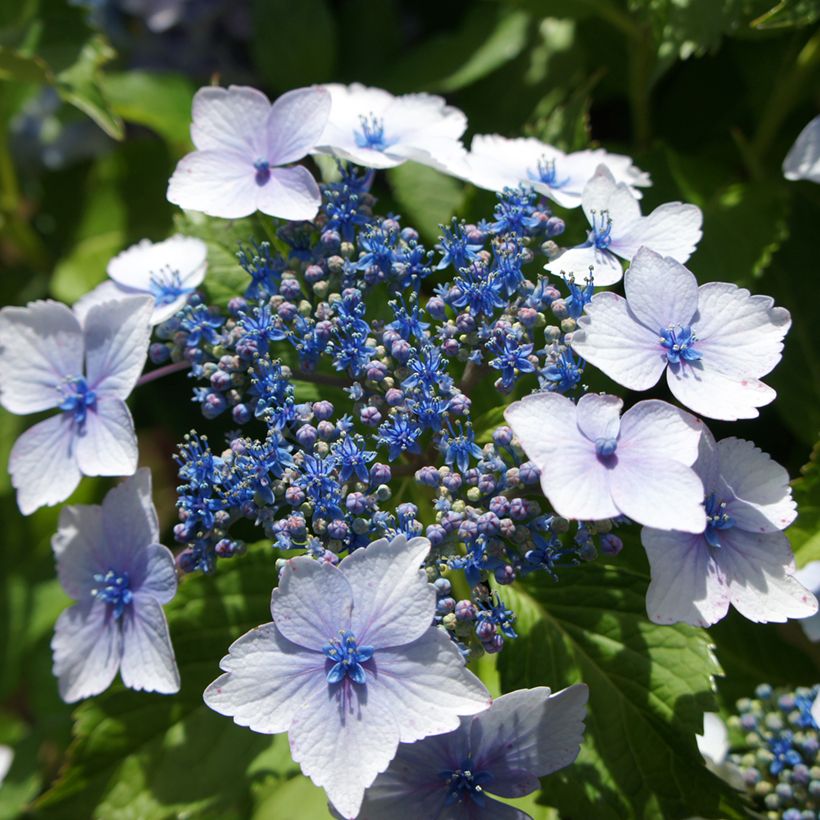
347, 367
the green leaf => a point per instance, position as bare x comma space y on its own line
151, 756
23, 68
649, 686
427, 197
804, 534
789, 14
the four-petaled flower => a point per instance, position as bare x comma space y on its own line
619, 230
523, 736
714, 341
596, 465
110, 561
741, 558
349, 667
86, 367
242, 142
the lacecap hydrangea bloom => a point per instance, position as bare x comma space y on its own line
350, 667
742, 558
110, 561
84, 366
523, 736
714, 341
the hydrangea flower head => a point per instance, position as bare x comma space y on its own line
524, 735
110, 561
168, 271
714, 341
496, 163
803, 159
86, 367
371, 127
742, 557
617, 229
243, 143
595, 464
349, 667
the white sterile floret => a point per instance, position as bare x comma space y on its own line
372, 128
596, 464
350, 667
495, 163
617, 230
242, 144
803, 159
167, 271
742, 558
715, 341
809, 577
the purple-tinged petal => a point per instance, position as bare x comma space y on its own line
80, 547
43, 464
268, 679
312, 603
107, 444
672, 229
87, 647
290, 193
116, 344
159, 575
599, 416
215, 183
762, 496
130, 520
295, 123
687, 584
656, 428
759, 569
707, 465
148, 662
426, 685
661, 292
803, 159
658, 492
528, 734
606, 267
41, 345
393, 602
602, 194
610, 338
230, 119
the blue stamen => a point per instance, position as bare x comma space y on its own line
262, 172
347, 657
465, 784
372, 133
166, 287
605, 447
599, 236
78, 397
116, 590
716, 519
679, 342
547, 174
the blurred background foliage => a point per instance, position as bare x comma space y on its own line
95, 105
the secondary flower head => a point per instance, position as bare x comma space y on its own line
596, 465
714, 341
167, 271
803, 159
741, 558
86, 367
110, 561
350, 667
242, 142
496, 163
617, 229
373, 128
503, 751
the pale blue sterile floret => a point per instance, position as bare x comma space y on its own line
110, 561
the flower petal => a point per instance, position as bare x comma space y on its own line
661, 292
659, 429
602, 193
803, 159
136, 266
393, 603
230, 119
599, 415
40, 346
116, 344
148, 662
606, 267
687, 584
312, 603
87, 647
290, 193
106, 291
610, 338
267, 681
43, 464
108, 443
80, 547
295, 123
129, 517
672, 229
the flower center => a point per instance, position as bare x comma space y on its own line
166, 286
716, 519
465, 784
600, 236
605, 447
347, 657
262, 172
679, 343
547, 174
77, 398
371, 134
114, 589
